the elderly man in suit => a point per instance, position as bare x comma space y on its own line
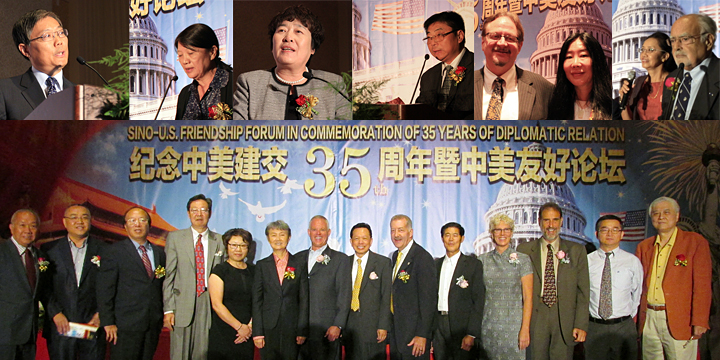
461, 299
129, 291
71, 294
280, 298
191, 255
414, 294
503, 91
692, 37
40, 37
675, 300
447, 86
561, 289
329, 293
21, 271
370, 318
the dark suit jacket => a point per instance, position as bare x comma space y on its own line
706, 105
573, 287
460, 100
226, 96
20, 95
63, 295
534, 94
18, 302
414, 301
465, 306
126, 296
283, 305
374, 298
686, 288
330, 292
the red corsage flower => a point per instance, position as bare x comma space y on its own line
680, 260
459, 70
301, 100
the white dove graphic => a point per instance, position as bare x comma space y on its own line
289, 185
226, 192
260, 211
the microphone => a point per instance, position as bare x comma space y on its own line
83, 62
421, 72
631, 78
669, 106
174, 78
308, 75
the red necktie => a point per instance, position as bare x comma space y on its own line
200, 266
30, 268
146, 261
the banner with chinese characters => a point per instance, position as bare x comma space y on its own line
366, 171
154, 25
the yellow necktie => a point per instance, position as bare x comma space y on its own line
355, 303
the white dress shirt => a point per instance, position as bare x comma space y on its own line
21, 249
454, 64
626, 278
511, 100
446, 280
42, 78
363, 263
78, 256
401, 258
697, 74
312, 257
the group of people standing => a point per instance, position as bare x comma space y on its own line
536, 299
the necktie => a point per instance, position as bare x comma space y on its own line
445, 90
146, 261
199, 266
683, 97
51, 88
605, 307
30, 268
395, 270
355, 303
549, 288
495, 107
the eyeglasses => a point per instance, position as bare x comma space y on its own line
237, 246
613, 231
685, 40
49, 36
498, 231
200, 210
137, 221
648, 50
438, 37
75, 219
508, 38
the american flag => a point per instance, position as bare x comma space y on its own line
633, 223
400, 18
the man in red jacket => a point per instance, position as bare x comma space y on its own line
675, 302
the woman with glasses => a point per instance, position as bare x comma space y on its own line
290, 90
230, 288
645, 101
508, 295
583, 89
209, 96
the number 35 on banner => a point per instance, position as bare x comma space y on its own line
330, 178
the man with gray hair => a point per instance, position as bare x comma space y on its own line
675, 300
698, 82
21, 269
41, 38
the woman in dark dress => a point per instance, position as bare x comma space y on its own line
230, 285
209, 96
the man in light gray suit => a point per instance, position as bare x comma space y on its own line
191, 255
504, 91
330, 292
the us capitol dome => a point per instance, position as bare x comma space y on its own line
632, 23
561, 24
522, 201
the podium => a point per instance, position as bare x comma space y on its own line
415, 112
81, 102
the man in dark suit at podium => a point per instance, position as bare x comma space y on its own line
448, 86
40, 38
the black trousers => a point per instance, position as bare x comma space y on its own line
445, 347
280, 344
320, 349
135, 345
18, 352
612, 341
67, 348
